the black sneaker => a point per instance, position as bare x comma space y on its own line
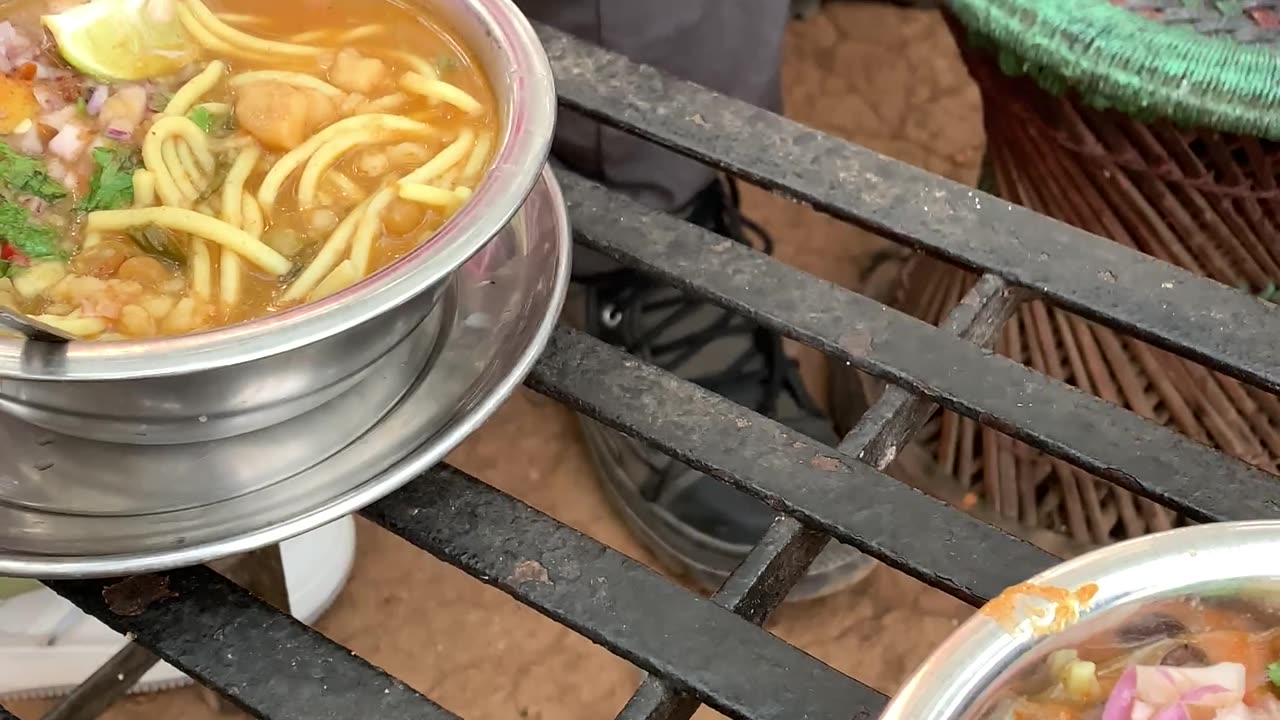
693, 521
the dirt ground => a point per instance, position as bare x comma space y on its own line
884, 77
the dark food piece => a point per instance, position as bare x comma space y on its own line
1185, 655
1156, 626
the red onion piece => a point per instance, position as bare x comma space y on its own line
115, 132
96, 99
1120, 705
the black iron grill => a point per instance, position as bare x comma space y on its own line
274, 667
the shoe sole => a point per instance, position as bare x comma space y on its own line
318, 590
678, 553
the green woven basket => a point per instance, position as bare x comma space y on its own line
1154, 123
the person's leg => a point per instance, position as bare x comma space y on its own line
734, 46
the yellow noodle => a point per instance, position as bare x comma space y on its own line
441, 91
243, 39
370, 226
181, 177
286, 165
181, 127
233, 186
325, 157
296, 79
234, 200
430, 195
144, 189
463, 192
450, 178
90, 239
201, 269
212, 42
197, 87
235, 142
444, 160
192, 222
168, 187
216, 108
253, 221
479, 157
386, 103
344, 184
242, 18
328, 258
310, 36
342, 277
187, 158
361, 33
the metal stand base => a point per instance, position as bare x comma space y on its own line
260, 572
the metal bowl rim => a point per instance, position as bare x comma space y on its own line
937, 681
525, 145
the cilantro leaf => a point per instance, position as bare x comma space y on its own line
19, 230
203, 118
1273, 674
27, 175
111, 185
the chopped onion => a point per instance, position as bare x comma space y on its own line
59, 118
68, 143
96, 99
1120, 705
29, 141
116, 132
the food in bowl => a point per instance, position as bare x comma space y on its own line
171, 166
1184, 659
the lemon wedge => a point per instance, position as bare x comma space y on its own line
122, 39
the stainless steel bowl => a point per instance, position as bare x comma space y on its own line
983, 662
250, 376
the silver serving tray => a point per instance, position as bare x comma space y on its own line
71, 507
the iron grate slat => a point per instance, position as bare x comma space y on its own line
757, 586
794, 474
1046, 413
1165, 305
617, 602
264, 661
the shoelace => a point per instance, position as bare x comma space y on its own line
640, 311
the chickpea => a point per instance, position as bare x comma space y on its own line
136, 321
322, 220
402, 217
373, 162
145, 270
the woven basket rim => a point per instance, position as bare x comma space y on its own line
1114, 59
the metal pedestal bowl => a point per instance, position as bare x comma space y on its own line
251, 376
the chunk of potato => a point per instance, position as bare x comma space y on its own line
281, 116
356, 73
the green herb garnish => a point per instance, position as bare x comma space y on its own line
111, 185
202, 118
82, 107
27, 175
1273, 674
19, 230
155, 240
1269, 292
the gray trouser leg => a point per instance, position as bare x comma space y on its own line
733, 46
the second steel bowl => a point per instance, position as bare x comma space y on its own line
987, 659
